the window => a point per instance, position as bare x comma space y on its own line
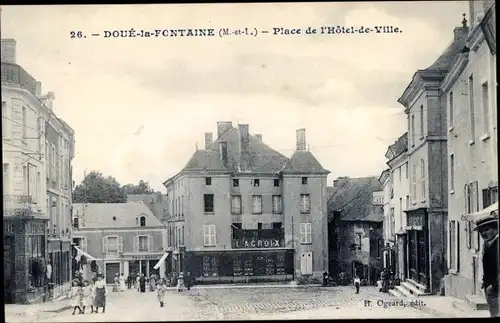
210, 266
400, 173
471, 109
400, 213
422, 180
113, 244
414, 183
407, 202
38, 186
209, 203
450, 109
412, 130
421, 121
490, 196
486, 114
452, 172
182, 205
406, 170
75, 223
276, 183
236, 182
208, 181
305, 233
392, 227
277, 205
236, 204
6, 180
25, 123
359, 244
209, 235
142, 221
256, 183
25, 181
453, 245
257, 204
143, 244
304, 180
305, 203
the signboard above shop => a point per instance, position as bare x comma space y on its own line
258, 243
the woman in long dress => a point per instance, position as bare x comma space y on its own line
116, 283
142, 283
138, 283
88, 296
101, 292
161, 289
152, 283
75, 297
122, 283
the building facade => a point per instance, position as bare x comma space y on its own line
355, 229
470, 92
427, 160
25, 114
396, 201
240, 211
118, 238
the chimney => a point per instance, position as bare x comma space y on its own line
223, 127
258, 136
50, 97
8, 51
301, 139
38, 88
244, 147
223, 152
208, 140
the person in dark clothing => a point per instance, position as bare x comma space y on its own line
385, 280
488, 229
142, 283
325, 278
188, 280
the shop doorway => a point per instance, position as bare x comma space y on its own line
112, 268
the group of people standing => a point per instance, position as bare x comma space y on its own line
84, 294
119, 283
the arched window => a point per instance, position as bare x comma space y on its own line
143, 221
422, 179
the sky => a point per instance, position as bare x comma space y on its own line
140, 106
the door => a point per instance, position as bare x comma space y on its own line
422, 258
112, 268
306, 263
413, 255
8, 268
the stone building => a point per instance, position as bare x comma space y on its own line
239, 211
471, 103
120, 237
355, 233
31, 241
426, 216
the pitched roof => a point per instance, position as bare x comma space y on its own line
302, 161
400, 145
353, 198
100, 215
450, 54
156, 203
261, 157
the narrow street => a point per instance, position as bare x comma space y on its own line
238, 303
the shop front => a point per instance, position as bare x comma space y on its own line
24, 260
418, 246
142, 264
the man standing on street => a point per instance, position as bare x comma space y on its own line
488, 229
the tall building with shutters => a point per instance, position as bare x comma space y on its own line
118, 238
240, 211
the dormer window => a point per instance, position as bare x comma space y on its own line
304, 180
143, 221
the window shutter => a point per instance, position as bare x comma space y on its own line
136, 243
84, 244
150, 243
213, 235
449, 245
302, 233
206, 235
457, 248
120, 244
105, 245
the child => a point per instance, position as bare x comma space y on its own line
357, 282
160, 290
88, 296
75, 296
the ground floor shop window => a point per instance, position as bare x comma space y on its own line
210, 266
35, 251
245, 265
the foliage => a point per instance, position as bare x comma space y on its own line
96, 188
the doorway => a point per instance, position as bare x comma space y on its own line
8, 268
112, 268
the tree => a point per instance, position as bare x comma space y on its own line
95, 188
141, 188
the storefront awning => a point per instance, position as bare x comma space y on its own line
83, 253
479, 214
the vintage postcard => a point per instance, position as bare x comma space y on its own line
249, 161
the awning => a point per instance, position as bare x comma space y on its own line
484, 212
83, 253
161, 261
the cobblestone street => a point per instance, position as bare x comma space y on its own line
234, 303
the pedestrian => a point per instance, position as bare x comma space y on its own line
342, 278
142, 284
129, 280
87, 296
325, 278
101, 292
385, 280
188, 280
152, 283
75, 297
116, 283
122, 283
138, 283
161, 290
357, 283
488, 229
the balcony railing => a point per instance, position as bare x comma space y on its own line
264, 238
16, 74
17, 205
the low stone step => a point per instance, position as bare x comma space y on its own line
396, 293
405, 293
415, 291
416, 284
476, 302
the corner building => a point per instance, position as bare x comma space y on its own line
240, 211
